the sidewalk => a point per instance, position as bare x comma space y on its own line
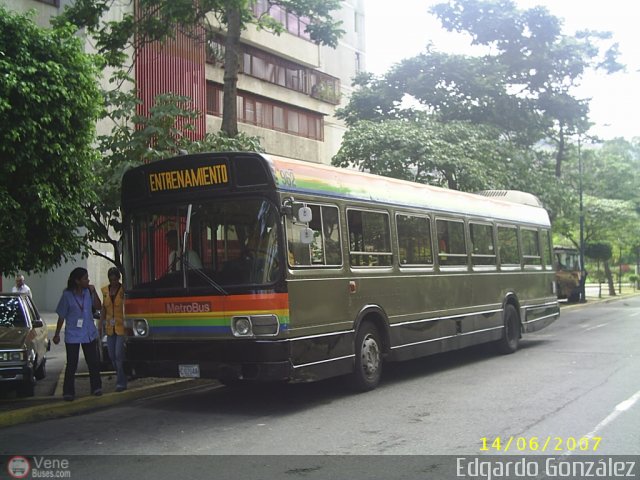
48, 403
594, 295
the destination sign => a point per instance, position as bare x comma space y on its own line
205, 176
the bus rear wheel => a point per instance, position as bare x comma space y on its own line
511, 334
368, 364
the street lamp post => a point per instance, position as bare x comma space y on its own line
583, 276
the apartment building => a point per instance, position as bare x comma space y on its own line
288, 89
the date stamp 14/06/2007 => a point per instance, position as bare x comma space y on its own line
539, 444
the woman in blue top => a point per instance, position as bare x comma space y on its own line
76, 307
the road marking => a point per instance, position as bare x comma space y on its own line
635, 314
596, 326
617, 411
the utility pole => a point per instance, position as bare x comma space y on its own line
583, 276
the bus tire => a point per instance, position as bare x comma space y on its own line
368, 360
511, 333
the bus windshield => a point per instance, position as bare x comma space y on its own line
223, 243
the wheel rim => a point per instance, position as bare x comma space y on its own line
370, 356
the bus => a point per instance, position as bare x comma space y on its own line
293, 271
568, 273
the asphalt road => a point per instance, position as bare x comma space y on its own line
577, 379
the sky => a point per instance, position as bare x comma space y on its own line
402, 28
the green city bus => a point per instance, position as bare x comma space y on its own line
242, 266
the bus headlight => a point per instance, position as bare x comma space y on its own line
140, 327
241, 326
255, 325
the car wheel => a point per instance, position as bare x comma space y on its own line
27, 387
41, 371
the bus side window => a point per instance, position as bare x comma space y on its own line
452, 248
369, 238
482, 248
414, 240
325, 249
530, 247
508, 246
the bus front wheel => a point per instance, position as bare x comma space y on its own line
511, 333
368, 361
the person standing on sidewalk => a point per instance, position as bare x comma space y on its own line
76, 309
112, 319
21, 287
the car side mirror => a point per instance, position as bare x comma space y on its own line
38, 323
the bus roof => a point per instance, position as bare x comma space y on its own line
189, 176
306, 177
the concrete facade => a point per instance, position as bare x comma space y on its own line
342, 62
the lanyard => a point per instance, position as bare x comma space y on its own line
80, 305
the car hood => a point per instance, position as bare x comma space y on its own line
13, 337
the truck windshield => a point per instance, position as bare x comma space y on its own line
230, 243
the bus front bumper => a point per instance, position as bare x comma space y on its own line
216, 359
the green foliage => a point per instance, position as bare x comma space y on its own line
136, 139
49, 103
522, 87
539, 61
457, 155
598, 251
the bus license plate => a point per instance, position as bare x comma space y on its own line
189, 371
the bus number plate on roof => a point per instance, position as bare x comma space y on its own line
189, 371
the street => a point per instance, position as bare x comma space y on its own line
579, 378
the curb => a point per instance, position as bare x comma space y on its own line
596, 300
59, 408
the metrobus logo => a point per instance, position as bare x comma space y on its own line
189, 178
188, 307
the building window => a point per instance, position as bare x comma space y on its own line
358, 62
276, 70
266, 113
293, 24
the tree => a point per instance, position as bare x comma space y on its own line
456, 155
49, 103
602, 252
541, 63
158, 20
607, 221
135, 139
523, 86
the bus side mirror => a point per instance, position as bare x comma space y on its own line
306, 236
296, 210
304, 214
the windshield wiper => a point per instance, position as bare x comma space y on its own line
189, 268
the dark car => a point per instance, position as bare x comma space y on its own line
24, 342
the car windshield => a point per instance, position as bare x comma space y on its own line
228, 243
11, 314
